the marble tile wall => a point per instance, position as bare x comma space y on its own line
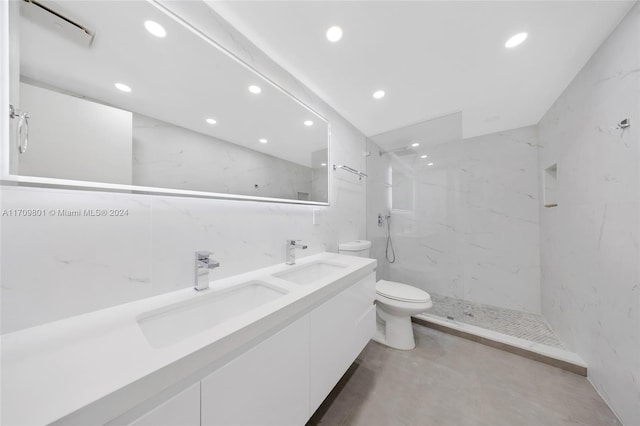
473, 230
319, 173
169, 156
378, 202
54, 267
590, 252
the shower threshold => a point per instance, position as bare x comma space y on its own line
521, 333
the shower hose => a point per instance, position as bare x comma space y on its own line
390, 252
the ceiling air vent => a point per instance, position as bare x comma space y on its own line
51, 16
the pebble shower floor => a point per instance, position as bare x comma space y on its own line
524, 325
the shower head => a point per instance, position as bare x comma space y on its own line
405, 150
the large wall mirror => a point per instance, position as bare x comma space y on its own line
126, 93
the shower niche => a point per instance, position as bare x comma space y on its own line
550, 182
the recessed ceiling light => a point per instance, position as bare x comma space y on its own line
211, 121
255, 89
415, 144
123, 87
323, 164
263, 141
308, 123
334, 34
155, 28
379, 94
429, 164
516, 40
423, 156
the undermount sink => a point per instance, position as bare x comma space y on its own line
171, 324
306, 274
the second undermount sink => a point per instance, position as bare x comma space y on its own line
171, 324
306, 274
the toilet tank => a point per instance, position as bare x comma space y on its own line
360, 248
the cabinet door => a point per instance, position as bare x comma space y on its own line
181, 410
339, 329
268, 385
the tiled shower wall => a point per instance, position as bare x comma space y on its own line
590, 241
56, 267
471, 231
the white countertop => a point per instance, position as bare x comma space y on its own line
98, 364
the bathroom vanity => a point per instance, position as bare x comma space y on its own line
264, 347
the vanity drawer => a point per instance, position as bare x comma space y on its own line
181, 410
267, 385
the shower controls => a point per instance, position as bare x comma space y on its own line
624, 124
380, 220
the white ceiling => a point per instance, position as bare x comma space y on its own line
432, 58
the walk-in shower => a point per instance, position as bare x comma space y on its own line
462, 223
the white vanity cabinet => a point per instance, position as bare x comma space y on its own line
267, 385
273, 365
282, 380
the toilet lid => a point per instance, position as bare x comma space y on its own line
357, 245
401, 292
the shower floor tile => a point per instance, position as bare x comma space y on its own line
524, 325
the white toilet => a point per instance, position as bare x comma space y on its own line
395, 304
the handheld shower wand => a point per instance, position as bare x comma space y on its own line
390, 252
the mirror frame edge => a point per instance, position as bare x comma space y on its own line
4, 89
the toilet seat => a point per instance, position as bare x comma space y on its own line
401, 292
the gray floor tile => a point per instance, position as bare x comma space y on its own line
448, 380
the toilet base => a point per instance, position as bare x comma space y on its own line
394, 331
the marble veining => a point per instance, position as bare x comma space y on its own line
589, 243
168, 156
472, 230
150, 251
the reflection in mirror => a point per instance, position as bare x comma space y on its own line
126, 93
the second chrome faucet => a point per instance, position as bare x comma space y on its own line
292, 245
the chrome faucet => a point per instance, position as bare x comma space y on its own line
203, 264
292, 245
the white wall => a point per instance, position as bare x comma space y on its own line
319, 174
590, 243
56, 267
76, 139
169, 156
378, 202
473, 230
